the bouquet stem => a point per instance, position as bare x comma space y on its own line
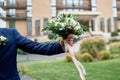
78, 65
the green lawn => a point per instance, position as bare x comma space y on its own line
59, 70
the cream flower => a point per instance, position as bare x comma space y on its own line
3, 40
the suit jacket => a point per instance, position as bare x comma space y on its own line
8, 52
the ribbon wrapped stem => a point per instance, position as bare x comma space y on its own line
78, 65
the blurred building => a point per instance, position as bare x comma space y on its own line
2, 15
99, 15
29, 16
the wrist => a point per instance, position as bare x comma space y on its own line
62, 45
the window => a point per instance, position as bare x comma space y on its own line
12, 12
29, 2
114, 12
53, 2
11, 23
115, 23
114, 8
44, 24
109, 24
2, 12
75, 2
101, 24
81, 2
114, 3
29, 26
53, 11
81, 5
93, 3
64, 2
1, 3
3, 23
69, 2
12, 2
29, 11
93, 25
37, 27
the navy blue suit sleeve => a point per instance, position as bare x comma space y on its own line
30, 46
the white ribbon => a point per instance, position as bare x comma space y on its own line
78, 65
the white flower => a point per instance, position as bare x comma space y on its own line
56, 23
62, 24
3, 40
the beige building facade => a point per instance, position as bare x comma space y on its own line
30, 16
99, 15
27, 16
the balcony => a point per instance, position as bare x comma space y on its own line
17, 5
18, 16
84, 7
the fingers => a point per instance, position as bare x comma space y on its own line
69, 39
70, 42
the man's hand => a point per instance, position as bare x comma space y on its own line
69, 41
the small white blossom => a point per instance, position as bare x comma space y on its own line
62, 24
3, 40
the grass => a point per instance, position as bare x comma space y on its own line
59, 70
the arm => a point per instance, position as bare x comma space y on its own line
35, 47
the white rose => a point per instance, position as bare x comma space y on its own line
2, 38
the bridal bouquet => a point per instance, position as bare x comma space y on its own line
64, 25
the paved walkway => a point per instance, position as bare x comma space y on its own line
25, 77
43, 57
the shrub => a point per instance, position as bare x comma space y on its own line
86, 57
78, 56
85, 27
21, 52
115, 33
93, 45
115, 47
104, 55
118, 30
114, 56
51, 36
22, 70
114, 40
69, 59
